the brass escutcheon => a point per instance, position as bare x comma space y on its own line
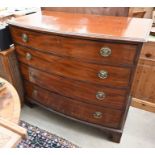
100, 95
105, 51
25, 37
97, 114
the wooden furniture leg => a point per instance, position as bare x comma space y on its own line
115, 136
30, 104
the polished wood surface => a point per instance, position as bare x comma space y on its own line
74, 108
9, 103
76, 69
109, 11
115, 98
80, 49
87, 26
61, 63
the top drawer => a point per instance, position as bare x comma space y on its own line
148, 51
86, 50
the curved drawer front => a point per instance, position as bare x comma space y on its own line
90, 113
114, 76
92, 94
86, 50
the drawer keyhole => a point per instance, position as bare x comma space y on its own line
105, 51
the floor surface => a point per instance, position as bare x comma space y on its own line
139, 129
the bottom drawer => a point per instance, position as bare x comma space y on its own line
79, 110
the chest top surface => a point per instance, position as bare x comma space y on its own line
89, 26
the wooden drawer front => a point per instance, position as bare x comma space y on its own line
73, 108
117, 76
86, 50
148, 51
114, 98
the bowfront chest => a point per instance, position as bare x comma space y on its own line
80, 66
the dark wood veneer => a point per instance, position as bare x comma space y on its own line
59, 58
74, 69
115, 98
74, 108
86, 50
87, 26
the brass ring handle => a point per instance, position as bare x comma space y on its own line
105, 51
103, 74
25, 38
28, 56
100, 95
97, 114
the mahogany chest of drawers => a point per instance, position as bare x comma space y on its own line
80, 66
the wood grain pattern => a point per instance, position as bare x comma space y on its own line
143, 104
8, 139
10, 134
13, 127
115, 98
148, 51
76, 70
84, 50
88, 26
76, 109
9, 103
9, 70
144, 83
60, 61
109, 11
